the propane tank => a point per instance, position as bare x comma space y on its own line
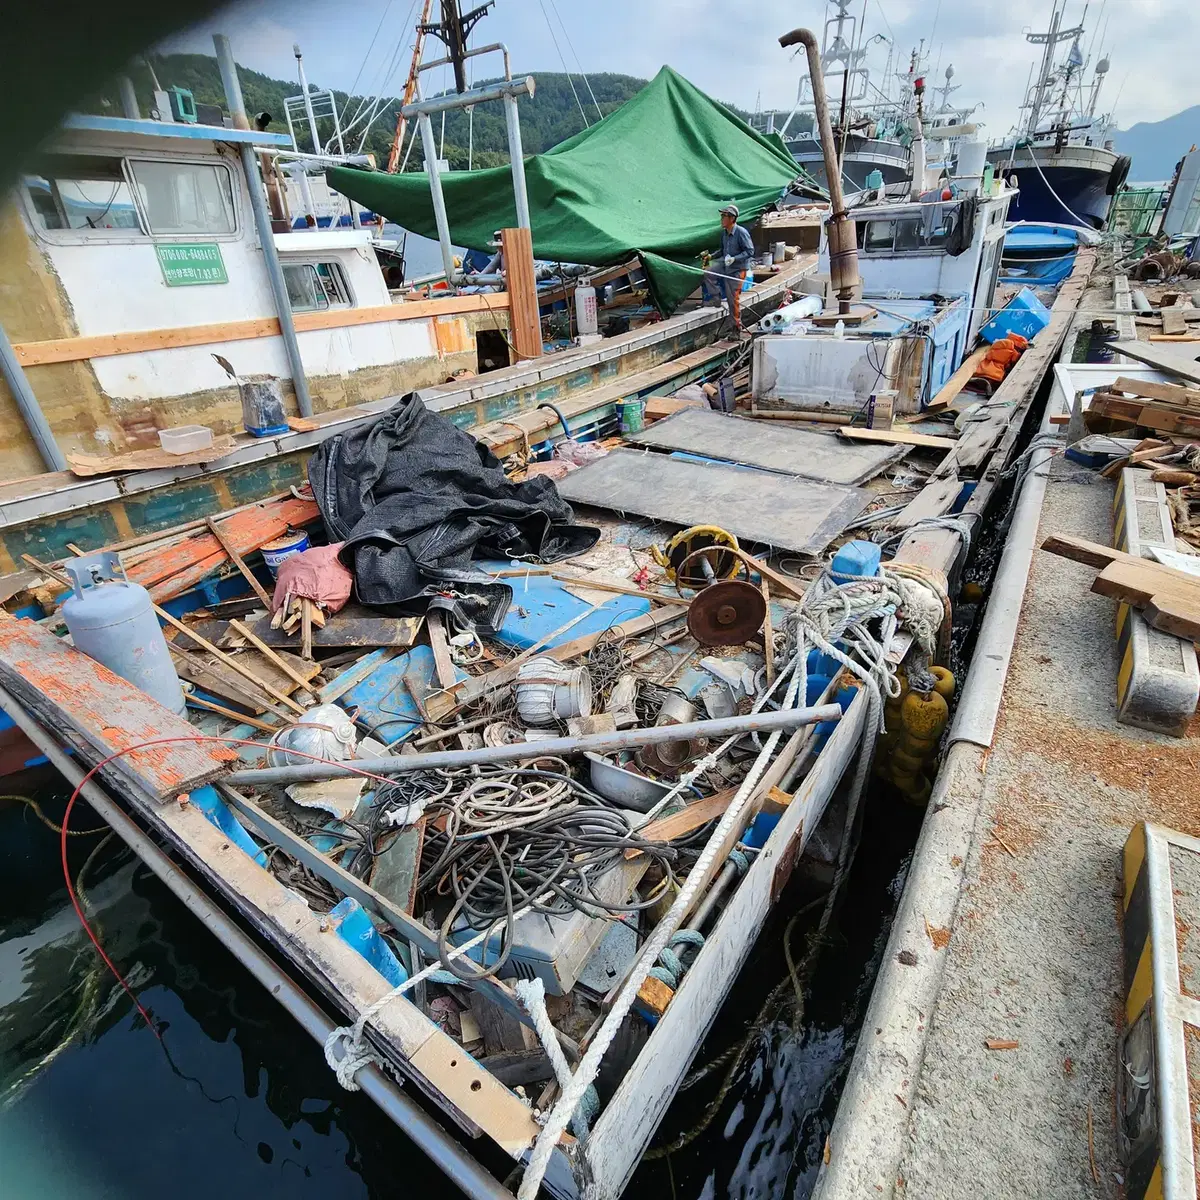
586, 319
112, 620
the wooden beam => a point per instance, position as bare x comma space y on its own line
1148, 389
1173, 362
517, 247
139, 341
271, 656
959, 380
896, 437
238, 561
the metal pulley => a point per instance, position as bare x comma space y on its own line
726, 611
720, 562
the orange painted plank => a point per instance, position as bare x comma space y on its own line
525, 316
137, 341
183, 565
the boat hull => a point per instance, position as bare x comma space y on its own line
863, 155
1073, 186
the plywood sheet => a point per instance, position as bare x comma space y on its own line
803, 452
777, 510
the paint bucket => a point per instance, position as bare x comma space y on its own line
294, 542
631, 415
547, 690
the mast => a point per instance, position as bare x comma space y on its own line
453, 30
1044, 86
410, 90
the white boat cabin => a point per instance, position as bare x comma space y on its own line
130, 257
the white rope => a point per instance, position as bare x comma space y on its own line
585, 1073
348, 1039
532, 994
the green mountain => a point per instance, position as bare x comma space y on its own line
1156, 146
551, 116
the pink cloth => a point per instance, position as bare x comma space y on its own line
314, 574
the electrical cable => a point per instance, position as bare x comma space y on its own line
562, 59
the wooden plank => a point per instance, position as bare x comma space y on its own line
271, 656
896, 437
221, 710
74, 349
238, 561
218, 680
933, 500
178, 568
949, 390
517, 248
353, 628
442, 663
153, 458
624, 1129
1169, 600
1173, 321
1082, 551
686, 820
658, 407
100, 713
1173, 362
1150, 416
1169, 393
1173, 337
227, 659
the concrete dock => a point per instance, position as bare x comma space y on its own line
988, 1060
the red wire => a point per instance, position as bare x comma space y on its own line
129, 750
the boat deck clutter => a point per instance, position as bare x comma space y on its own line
499, 777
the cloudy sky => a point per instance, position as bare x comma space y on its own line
729, 47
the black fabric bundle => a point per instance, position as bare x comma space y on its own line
414, 497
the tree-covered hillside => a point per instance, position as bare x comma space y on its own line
551, 116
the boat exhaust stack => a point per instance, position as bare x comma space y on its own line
843, 246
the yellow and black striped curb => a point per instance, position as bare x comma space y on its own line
1158, 681
1160, 1044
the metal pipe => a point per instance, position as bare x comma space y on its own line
129, 101
298, 172
230, 81
262, 223
428, 1135
337, 160
445, 62
493, 91
31, 411
435, 190
765, 722
308, 108
516, 158
843, 249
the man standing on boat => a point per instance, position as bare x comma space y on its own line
725, 275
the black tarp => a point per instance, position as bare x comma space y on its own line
414, 497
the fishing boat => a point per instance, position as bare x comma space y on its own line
1063, 156
502, 843
873, 130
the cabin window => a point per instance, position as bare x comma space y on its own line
879, 236
74, 191
314, 287
908, 234
185, 198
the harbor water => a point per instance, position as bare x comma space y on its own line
237, 1100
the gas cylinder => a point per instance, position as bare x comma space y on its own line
586, 317
112, 620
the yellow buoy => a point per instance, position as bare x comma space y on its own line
945, 682
924, 717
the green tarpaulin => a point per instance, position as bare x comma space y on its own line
648, 178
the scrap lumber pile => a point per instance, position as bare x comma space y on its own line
1169, 599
